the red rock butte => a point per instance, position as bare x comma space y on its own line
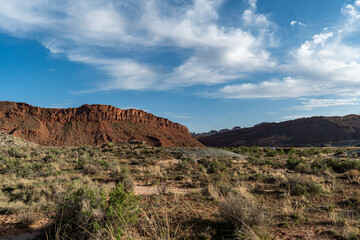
90, 125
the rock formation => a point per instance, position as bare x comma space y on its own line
90, 124
314, 131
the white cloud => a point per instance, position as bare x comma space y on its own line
310, 104
86, 31
286, 88
328, 64
253, 3
322, 37
297, 23
124, 73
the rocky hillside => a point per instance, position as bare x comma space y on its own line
316, 131
90, 124
213, 132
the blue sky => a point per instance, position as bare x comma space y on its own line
207, 64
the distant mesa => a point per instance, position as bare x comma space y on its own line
213, 132
90, 125
314, 131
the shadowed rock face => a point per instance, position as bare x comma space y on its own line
90, 124
299, 132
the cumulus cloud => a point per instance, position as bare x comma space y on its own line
119, 38
86, 31
327, 64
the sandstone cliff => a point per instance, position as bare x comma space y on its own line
90, 124
316, 131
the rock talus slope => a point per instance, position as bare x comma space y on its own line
90, 124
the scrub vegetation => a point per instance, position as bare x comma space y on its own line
135, 191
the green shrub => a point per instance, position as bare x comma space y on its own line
89, 213
216, 166
341, 166
122, 210
123, 176
16, 153
292, 163
298, 185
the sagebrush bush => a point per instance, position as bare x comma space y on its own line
341, 166
123, 176
89, 213
299, 185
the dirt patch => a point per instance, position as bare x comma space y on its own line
156, 190
201, 153
168, 162
21, 236
9, 227
305, 233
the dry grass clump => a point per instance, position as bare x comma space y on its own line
122, 175
162, 225
239, 210
353, 176
211, 192
293, 208
245, 213
90, 169
26, 219
349, 225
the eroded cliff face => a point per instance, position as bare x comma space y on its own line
90, 124
317, 131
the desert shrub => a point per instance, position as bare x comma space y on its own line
240, 211
270, 152
216, 166
90, 169
57, 151
210, 191
89, 213
319, 167
299, 185
49, 158
107, 147
123, 176
26, 219
10, 165
186, 163
163, 225
122, 208
309, 152
246, 215
224, 188
16, 153
292, 162
353, 175
303, 168
341, 166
